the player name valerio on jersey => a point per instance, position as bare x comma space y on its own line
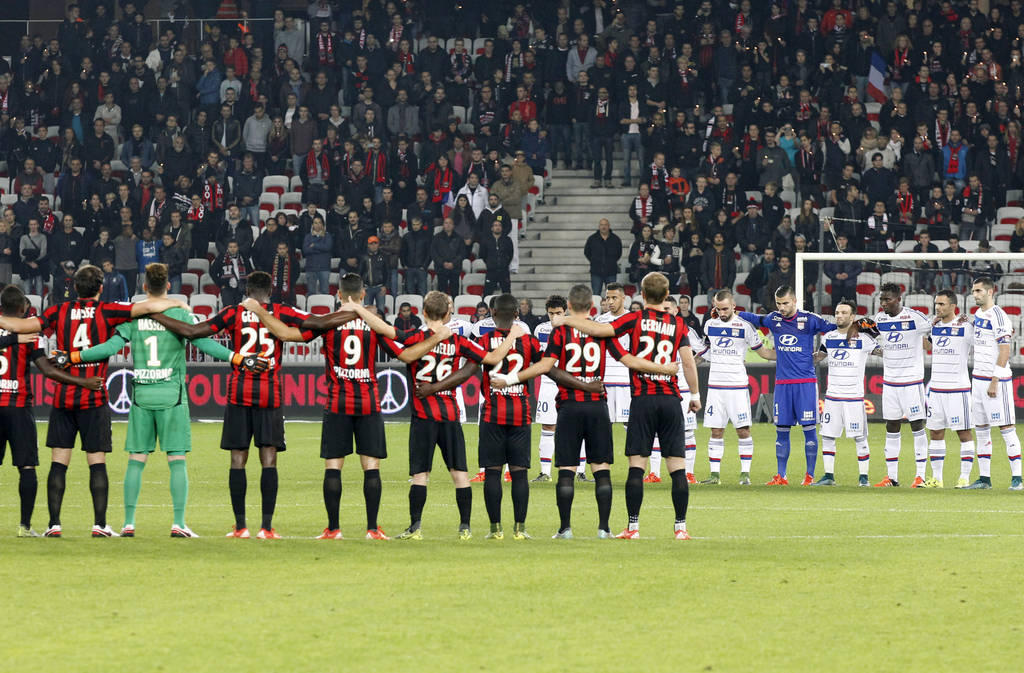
78, 325
350, 355
511, 405
582, 356
248, 336
951, 344
15, 381
991, 329
656, 336
436, 365
847, 359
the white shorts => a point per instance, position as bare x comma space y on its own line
843, 416
546, 413
949, 410
462, 404
903, 401
619, 396
996, 410
690, 420
725, 405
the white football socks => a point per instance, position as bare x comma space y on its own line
892, 455
1012, 449
984, 451
655, 459
828, 454
937, 456
863, 454
746, 454
921, 452
716, 449
966, 459
547, 450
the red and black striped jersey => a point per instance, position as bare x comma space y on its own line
582, 356
655, 336
436, 365
511, 405
350, 356
78, 325
15, 381
248, 336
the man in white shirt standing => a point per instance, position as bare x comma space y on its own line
475, 193
991, 388
630, 119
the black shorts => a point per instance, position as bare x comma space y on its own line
580, 422
245, 426
655, 415
18, 428
338, 430
92, 424
501, 444
425, 434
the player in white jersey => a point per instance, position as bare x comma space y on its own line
728, 338
547, 415
991, 388
616, 375
949, 390
902, 332
847, 351
462, 328
689, 417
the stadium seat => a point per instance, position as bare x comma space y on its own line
320, 304
292, 201
743, 302
207, 286
198, 266
924, 303
866, 302
478, 46
36, 302
1012, 303
700, 304
465, 304
415, 302
901, 278
189, 283
459, 112
295, 184
300, 302
473, 283
276, 184
1014, 197
478, 266
203, 305
788, 197
1009, 214
1002, 232
868, 282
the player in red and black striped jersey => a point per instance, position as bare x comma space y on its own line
78, 411
253, 414
435, 412
351, 338
582, 406
659, 337
17, 421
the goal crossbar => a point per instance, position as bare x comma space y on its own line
890, 257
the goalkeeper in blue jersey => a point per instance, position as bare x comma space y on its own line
796, 382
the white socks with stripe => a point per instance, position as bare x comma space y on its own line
690, 454
1012, 449
655, 459
892, 455
966, 459
547, 450
716, 449
828, 454
921, 451
984, 451
937, 456
863, 454
746, 453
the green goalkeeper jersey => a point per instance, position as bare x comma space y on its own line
158, 357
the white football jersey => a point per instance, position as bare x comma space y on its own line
543, 333
615, 372
951, 344
697, 345
991, 329
486, 326
902, 344
458, 326
726, 350
846, 361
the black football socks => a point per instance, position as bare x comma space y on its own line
99, 486
520, 496
634, 493
28, 485
55, 491
371, 494
237, 485
564, 490
268, 493
332, 497
603, 495
492, 494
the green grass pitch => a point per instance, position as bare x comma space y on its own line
790, 579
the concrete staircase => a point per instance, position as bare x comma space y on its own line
551, 256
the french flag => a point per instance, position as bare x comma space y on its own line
876, 78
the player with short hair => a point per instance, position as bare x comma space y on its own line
690, 418
991, 387
659, 337
902, 332
435, 416
728, 339
577, 362
253, 414
159, 408
796, 382
616, 374
17, 419
949, 390
547, 392
847, 353
352, 414
77, 411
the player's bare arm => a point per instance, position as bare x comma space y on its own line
584, 324
325, 323
417, 351
1001, 367
690, 374
375, 322
567, 380
647, 367
766, 353
21, 325
499, 353
50, 371
157, 305
184, 329
546, 366
453, 380
272, 323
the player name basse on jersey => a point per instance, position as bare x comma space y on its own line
510, 405
951, 346
15, 380
901, 341
655, 336
436, 365
78, 325
248, 336
350, 354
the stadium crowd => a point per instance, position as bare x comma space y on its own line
399, 141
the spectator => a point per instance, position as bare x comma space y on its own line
666, 257
416, 255
511, 193
784, 274
8, 252
316, 249
990, 268
147, 251
976, 212
66, 245
843, 274
924, 279
526, 314
719, 266
602, 132
176, 259
373, 267
32, 249
641, 254
406, 320
230, 273
759, 278
124, 256
753, 236
474, 193
465, 222
248, 187
496, 251
235, 228
284, 271
115, 287
63, 285
391, 246
301, 134
448, 251
955, 272
603, 250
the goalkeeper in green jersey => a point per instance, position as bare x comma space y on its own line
159, 408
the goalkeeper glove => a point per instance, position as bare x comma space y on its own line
64, 359
252, 363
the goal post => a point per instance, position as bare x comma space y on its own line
889, 258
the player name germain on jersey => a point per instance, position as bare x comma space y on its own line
658, 327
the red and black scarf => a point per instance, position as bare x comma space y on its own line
443, 179
325, 166
408, 62
377, 166
213, 197
906, 205
281, 274
953, 165
196, 214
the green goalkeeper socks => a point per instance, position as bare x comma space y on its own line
179, 490
132, 486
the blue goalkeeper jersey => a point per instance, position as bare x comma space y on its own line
794, 342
